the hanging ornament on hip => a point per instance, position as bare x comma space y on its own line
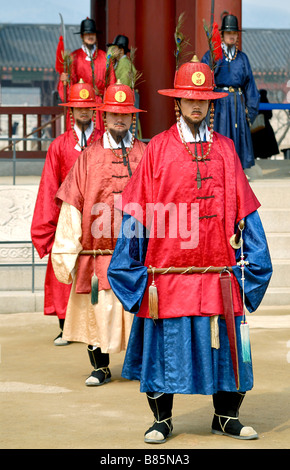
244, 327
153, 298
245, 340
94, 286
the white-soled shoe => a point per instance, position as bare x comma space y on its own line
159, 432
99, 376
59, 341
231, 427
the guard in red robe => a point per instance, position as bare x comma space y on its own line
87, 232
89, 63
61, 155
174, 264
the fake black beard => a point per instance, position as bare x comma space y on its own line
83, 124
194, 126
89, 46
118, 135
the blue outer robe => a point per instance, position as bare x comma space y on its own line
175, 355
230, 110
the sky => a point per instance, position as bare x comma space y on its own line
255, 13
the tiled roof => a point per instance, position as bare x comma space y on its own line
268, 50
33, 46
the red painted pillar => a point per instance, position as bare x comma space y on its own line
98, 13
121, 20
155, 26
203, 11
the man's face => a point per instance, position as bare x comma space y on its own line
230, 37
193, 111
118, 125
82, 116
90, 39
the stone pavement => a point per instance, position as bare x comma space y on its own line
45, 404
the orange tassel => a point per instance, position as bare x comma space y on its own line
153, 299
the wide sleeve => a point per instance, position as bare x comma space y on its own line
46, 211
67, 244
73, 187
127, 274
259, 270
251, 94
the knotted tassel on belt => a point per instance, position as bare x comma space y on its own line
95, 280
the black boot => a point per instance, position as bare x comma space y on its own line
161, 405
226, 421
100, 361
59, 341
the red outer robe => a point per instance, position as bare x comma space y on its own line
81, 68
60, 158
166, 175
98, 177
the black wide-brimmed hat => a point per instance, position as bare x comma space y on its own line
122, 42
230, 23
88, 26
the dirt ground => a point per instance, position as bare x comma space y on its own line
46, 405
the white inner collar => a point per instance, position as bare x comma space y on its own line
89, 52
127, 141
230, 51
78, 132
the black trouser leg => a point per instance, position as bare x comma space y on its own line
100, 362
161, 406
61, 323
97, 358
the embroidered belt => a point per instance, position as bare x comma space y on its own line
231, 89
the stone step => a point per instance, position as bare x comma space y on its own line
268, 169
20, 278
21, 301
276, 296
272, 194
275, 219
281, 273
279, 245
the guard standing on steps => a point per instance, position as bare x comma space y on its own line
88, 63
177, 271
62, 154
233, 75
86, 233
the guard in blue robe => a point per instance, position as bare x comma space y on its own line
234, 113
188, 351
206, 370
